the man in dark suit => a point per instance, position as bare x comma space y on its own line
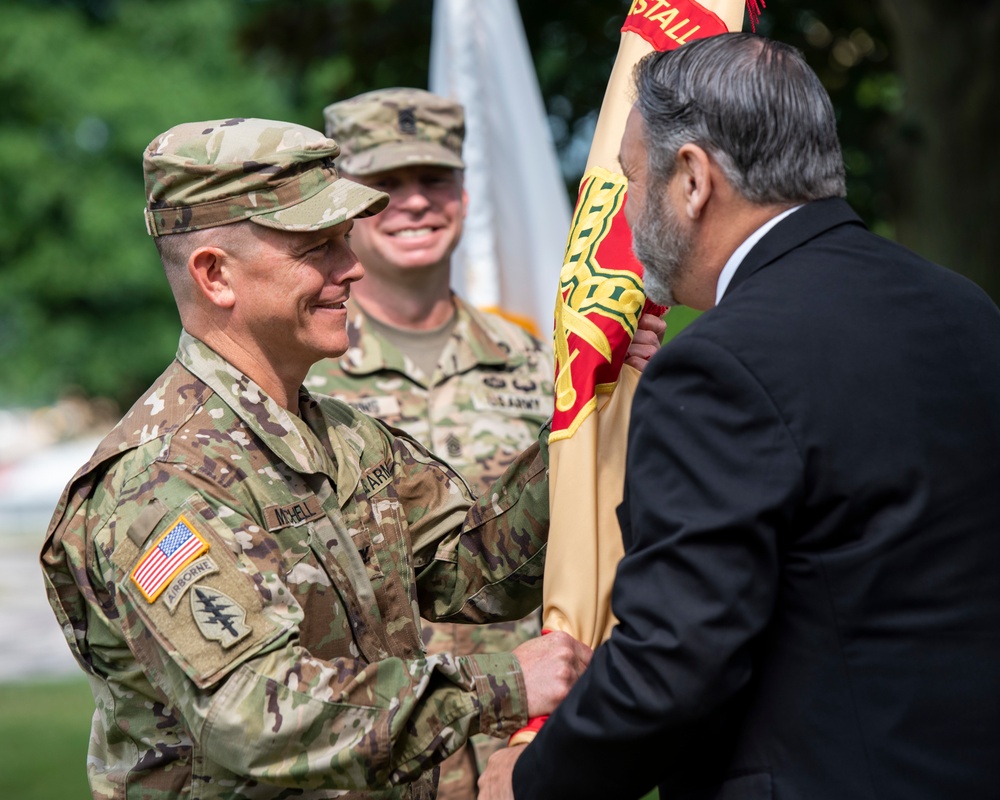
809, 601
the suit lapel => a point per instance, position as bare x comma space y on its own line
808, 222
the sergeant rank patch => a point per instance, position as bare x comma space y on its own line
173, 551
219, 617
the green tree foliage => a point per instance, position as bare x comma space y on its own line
84, 304
943, 152
325, 47
87, 83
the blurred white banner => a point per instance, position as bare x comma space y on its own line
519, 212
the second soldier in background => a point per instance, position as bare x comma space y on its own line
471, 386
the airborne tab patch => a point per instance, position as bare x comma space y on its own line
191, 574
175, 549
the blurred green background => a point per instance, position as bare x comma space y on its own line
44, 729
85, 84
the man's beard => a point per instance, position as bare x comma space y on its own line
662, 246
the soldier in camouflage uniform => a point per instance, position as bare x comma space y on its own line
240, 566
471, 386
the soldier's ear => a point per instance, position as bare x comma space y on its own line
211, 270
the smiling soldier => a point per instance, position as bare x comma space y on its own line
240, 566
471, 386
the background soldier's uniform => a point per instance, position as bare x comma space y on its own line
492, 389
488, 399
288, 653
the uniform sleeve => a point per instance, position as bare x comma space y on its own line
712, 479
219, 639
340, 725
484, 562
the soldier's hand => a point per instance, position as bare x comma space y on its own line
551, 664
646, 341
495, 782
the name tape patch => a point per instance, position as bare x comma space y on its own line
179, 545
380, 407
376, 479
505, 401
293, 514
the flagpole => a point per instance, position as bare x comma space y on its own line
597, 310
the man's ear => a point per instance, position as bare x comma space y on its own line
695, 175
210, 270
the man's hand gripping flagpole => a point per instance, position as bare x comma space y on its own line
597, 313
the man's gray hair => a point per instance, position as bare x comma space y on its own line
754, 106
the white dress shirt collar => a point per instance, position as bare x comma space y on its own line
740, 253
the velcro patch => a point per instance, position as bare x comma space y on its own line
293, 514
376, 479
179, 545
150, 517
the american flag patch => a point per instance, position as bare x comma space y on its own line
174, 550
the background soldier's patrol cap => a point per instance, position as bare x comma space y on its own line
391, 128
205, 174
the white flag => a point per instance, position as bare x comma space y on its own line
515, 232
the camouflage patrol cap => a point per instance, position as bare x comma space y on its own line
205, 174
391, 128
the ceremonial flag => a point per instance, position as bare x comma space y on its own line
600, 300
515, 232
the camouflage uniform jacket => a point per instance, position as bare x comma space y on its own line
286, 655
489, 397
486, 402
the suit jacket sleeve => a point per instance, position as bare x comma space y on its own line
712, 481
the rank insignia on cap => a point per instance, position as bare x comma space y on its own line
173, 551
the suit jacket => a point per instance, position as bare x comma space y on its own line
809, 601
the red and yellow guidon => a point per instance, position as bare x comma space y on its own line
667, 24
600, 300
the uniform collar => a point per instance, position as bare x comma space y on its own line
471, 345
287, 436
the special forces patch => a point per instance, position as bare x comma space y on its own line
219, 618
